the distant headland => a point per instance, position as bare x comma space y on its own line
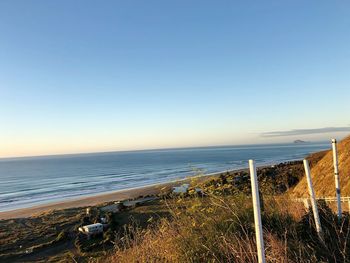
299, 141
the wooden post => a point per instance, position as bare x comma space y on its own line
313, 201
257, 215
336, 177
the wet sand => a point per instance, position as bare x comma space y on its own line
100, 198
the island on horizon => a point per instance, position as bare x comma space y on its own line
300, 141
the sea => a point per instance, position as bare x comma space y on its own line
30, 181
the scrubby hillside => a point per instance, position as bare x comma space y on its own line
323, 173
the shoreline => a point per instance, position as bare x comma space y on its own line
98, 199
113, 196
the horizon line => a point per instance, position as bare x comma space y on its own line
151, 149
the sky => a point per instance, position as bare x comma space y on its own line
89, 76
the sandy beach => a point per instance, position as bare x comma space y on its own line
94, 200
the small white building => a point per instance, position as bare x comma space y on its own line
93, 229
181, 189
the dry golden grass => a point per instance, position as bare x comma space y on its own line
323, 174
221, 229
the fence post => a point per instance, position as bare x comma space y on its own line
313, 201
336, 177
257, 215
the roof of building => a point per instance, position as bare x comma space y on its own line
93, 225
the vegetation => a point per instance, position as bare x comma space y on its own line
220, 228
24, 237
323, 173
213, 224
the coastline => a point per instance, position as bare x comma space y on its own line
123, 194
22, 205
98, 199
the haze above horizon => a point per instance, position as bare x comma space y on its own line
238, 146
84, 76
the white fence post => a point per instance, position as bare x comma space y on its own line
257, 215
313, 200
336, 177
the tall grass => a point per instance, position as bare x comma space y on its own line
221, 229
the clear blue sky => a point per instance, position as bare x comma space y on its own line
80, 76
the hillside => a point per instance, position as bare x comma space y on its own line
215, 224
323, 173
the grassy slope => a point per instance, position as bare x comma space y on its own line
323, 174
220, 228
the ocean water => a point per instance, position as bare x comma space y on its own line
31, 181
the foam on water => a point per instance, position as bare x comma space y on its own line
36, 180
